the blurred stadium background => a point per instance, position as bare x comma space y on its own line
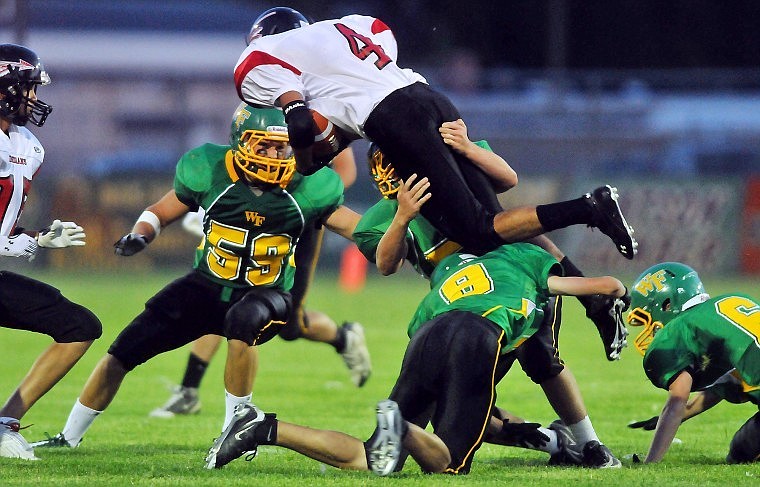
661, 99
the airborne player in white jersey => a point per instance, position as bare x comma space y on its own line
25, 303
346, 70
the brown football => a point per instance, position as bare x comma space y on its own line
328, 140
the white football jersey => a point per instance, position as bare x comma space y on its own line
21, 156
342, 67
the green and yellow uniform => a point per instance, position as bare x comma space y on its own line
508, 286
709, 340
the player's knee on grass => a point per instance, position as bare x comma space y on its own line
745, 445
258, 316
79, 324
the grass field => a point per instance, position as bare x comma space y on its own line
307, 383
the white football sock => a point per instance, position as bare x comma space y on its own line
80, 419
552, 445
583, 431
230, 403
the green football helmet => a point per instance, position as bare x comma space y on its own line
254, 133
383, 173
660, 294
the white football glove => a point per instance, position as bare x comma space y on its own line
130, 244
193, 223
61, 235
21, 245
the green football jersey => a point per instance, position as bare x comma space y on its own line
426, 246
708, 341
251, 234
507, 286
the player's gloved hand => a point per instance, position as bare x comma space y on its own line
646, 425
21, 245
130, 244
61, 235
526, 435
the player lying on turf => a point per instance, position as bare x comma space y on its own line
692, 342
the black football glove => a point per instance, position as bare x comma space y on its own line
526, 435
646, 425
130, 244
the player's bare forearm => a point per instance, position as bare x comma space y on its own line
584, 286
391, 251
168, 210
671, 417
501, 174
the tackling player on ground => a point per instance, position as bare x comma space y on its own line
28, 304
694, 342
478, 310
393, 231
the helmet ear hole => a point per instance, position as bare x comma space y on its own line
666, 305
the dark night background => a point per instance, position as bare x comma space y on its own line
628, 34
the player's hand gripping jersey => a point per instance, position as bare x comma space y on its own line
250, 234
708, 341
507, 286
343, 67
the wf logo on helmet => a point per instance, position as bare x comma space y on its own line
650, 282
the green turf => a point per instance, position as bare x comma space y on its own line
307, 383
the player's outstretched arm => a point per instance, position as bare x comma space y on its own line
149, 224
501, 174
584, 286
670, 418
343, 222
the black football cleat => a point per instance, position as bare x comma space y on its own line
597, 455
384, 447
607, 314
608, 218
240, 436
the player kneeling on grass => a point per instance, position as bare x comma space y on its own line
256, 210
478, 310
692, 342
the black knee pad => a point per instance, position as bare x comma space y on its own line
80, 325
745, 445
258, 316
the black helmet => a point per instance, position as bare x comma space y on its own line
274, 21
20, 72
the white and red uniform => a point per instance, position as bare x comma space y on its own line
346, 70
342, 67
21, 156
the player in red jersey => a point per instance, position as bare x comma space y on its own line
28, 304
346, 70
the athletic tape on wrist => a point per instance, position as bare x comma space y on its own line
151, 219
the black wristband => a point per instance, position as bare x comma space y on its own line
300, 124
295, 104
